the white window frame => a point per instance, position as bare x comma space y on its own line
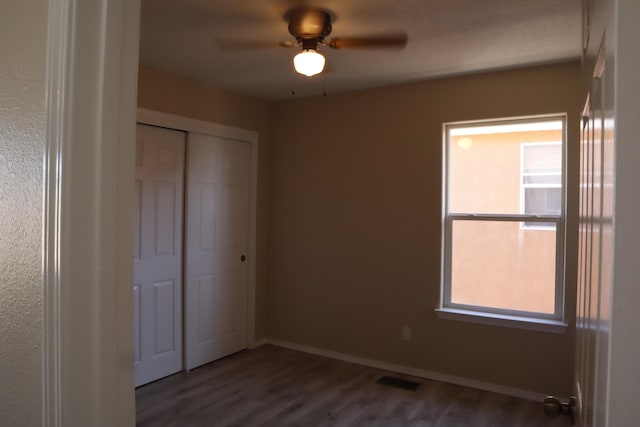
546, 322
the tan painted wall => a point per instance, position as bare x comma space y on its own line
169, 93
23, 29
355, 225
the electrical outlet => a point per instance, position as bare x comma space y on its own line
406, 333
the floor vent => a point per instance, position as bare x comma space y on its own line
398, 383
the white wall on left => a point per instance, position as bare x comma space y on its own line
23, 31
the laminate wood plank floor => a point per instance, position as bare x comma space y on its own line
275, 387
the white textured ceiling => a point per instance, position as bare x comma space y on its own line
446, 37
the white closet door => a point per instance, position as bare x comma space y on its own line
216, 248
158, 253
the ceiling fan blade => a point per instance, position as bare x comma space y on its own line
288, 44
396, 41
229, 45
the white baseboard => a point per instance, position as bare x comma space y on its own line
436, 376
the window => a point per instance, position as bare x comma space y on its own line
503, 207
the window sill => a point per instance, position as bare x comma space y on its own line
518, 322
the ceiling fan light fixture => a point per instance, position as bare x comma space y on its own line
309, 62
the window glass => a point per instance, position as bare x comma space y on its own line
485, 164
495, 265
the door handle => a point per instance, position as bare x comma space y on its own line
242, 258
553, 407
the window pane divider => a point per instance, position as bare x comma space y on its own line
504, 217
537, 185
541, 173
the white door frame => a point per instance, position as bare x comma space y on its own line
186, 124
91, 74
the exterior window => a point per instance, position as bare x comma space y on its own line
504, 218
541, 184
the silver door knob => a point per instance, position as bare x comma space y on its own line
553, 407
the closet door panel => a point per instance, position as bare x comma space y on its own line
158, 253
217, 223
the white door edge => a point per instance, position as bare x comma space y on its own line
187, 124
79, 387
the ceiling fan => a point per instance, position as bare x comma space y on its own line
310, 26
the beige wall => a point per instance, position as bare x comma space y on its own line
169, 93
23, 29
355, 225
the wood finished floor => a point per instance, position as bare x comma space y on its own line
276, 387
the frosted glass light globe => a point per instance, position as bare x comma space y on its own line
309, 62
